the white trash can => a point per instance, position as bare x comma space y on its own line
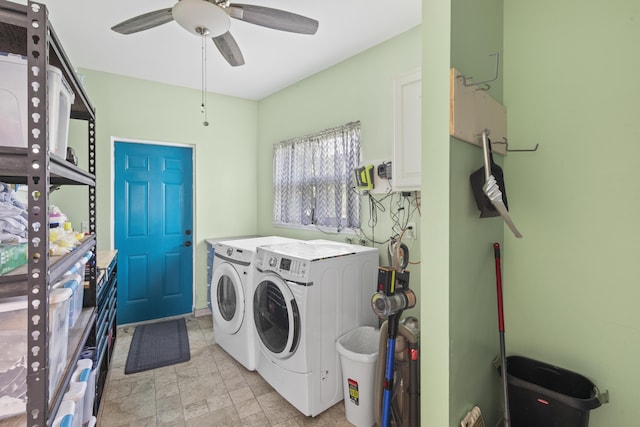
358, 351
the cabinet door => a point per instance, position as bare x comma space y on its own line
407, 158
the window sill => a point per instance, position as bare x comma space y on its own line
322, 229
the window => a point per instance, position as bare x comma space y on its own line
313, 179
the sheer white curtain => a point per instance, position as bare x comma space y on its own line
313, 176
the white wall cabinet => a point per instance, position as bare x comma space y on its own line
407, 142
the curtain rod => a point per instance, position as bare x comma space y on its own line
322, 132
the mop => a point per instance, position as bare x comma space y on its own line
473, 418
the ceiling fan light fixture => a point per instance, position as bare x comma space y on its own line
194, 15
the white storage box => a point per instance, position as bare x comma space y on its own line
64, 417
14, 105
76, 394
13, 354
75, 283
86, 374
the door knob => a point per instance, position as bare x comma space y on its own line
187, 232
187, 243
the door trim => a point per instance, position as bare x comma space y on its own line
112, 179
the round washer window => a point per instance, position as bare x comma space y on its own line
227, 298
271, 316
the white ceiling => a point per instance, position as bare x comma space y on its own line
273, 59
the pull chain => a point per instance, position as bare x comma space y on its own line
203, 107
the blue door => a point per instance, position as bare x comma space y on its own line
153, 230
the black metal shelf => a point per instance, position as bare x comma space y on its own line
15, 164
26, 30
106, 323
13, 39
15, 283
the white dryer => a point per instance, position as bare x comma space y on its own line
231, 293
307, 295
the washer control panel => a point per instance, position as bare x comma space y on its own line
287, 267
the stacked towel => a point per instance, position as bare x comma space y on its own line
13, 217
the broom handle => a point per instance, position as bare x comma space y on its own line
503, 357
485, 151
496, 252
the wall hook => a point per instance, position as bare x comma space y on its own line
467, 80
505, 142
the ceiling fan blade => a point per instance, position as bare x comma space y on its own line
144, 21
228, 47
273, 18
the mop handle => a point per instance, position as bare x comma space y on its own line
387, 395
388, 383
496, 251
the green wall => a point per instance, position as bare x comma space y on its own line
434, 309
569, 283
476, 32
459, 335
360, 88
572, 291
224, 154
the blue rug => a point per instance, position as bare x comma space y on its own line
158, 344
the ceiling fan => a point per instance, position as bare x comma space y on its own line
211, 18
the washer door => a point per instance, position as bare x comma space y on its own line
276, 317
227, 298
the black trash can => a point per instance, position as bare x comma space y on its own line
543, 395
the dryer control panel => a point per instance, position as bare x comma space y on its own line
232, 254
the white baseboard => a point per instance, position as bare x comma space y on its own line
202, 312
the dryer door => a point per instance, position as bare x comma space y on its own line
276, 317
227, 298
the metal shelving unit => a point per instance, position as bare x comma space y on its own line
26, 30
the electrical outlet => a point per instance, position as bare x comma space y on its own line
84, 226
411, 232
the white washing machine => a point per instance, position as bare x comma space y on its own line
307, 295
231, 293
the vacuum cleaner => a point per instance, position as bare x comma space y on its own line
397, 380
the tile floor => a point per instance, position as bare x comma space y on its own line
211, 389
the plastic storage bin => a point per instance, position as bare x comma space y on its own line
76, 394
64, 417
543, 395
86, 374
80, 267
14, 106
13, 355
74, 283
358, 350
12, 256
